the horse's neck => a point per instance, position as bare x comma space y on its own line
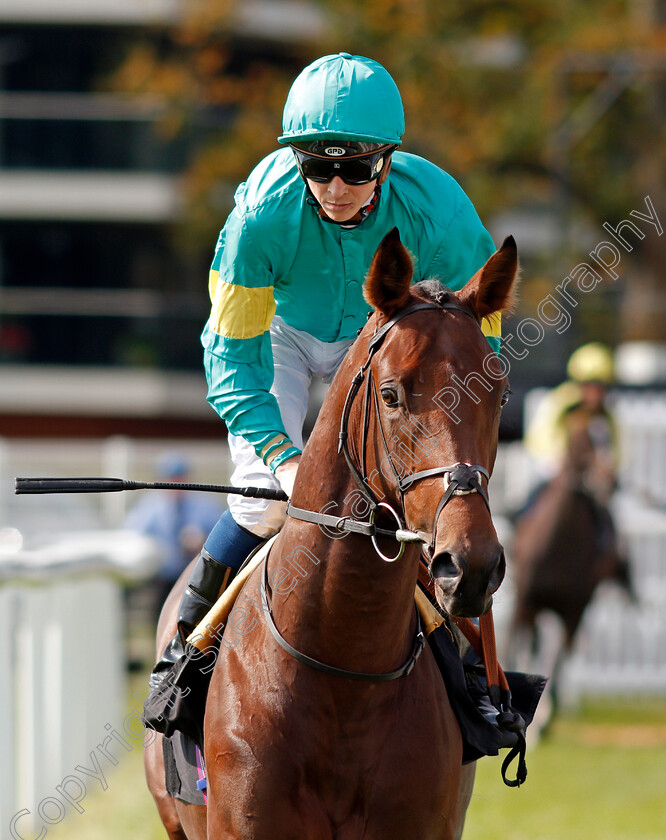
347, 605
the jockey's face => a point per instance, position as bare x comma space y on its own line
594, 394
340, 201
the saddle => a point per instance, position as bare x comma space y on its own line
491, 717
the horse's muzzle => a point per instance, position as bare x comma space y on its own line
464, 583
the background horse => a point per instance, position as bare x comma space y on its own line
290, 750
564, 545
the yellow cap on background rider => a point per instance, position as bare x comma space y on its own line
592, 363
545, 436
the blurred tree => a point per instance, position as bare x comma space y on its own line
532, 105
223, 92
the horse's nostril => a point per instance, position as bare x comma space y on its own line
444, 566
501, 566
499, 571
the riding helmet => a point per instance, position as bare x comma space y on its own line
344, 97
591, 363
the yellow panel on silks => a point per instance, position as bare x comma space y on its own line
491, 327
240, 312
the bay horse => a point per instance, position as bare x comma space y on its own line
564, 545
364, 744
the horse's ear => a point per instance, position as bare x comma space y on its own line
492, 287
387, 283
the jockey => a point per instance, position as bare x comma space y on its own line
579, 403
286, 286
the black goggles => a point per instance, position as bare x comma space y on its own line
352, 170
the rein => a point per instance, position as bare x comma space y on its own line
482, 640
459, 479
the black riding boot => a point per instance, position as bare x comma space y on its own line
172, 679
179, 682
207, 582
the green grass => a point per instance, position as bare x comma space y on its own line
126, 808
601, 775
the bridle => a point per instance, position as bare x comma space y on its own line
459, 478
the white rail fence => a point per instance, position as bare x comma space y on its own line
62, 667
62, 634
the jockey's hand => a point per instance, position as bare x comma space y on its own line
286, 474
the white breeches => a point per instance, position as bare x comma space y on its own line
297, 357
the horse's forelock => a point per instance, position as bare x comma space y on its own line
432, 290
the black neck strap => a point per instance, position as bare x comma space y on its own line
419, 643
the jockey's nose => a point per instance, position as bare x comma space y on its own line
336, 186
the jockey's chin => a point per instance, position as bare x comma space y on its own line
340, 201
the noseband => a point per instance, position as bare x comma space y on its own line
459, 479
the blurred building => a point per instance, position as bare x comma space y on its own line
99, 320
99, 315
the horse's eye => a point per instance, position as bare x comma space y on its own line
505, 398
390, 397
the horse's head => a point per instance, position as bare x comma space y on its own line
435, 392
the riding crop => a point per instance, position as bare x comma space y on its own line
114, 485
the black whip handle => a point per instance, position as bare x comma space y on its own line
114, 485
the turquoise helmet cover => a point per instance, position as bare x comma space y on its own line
344, 97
